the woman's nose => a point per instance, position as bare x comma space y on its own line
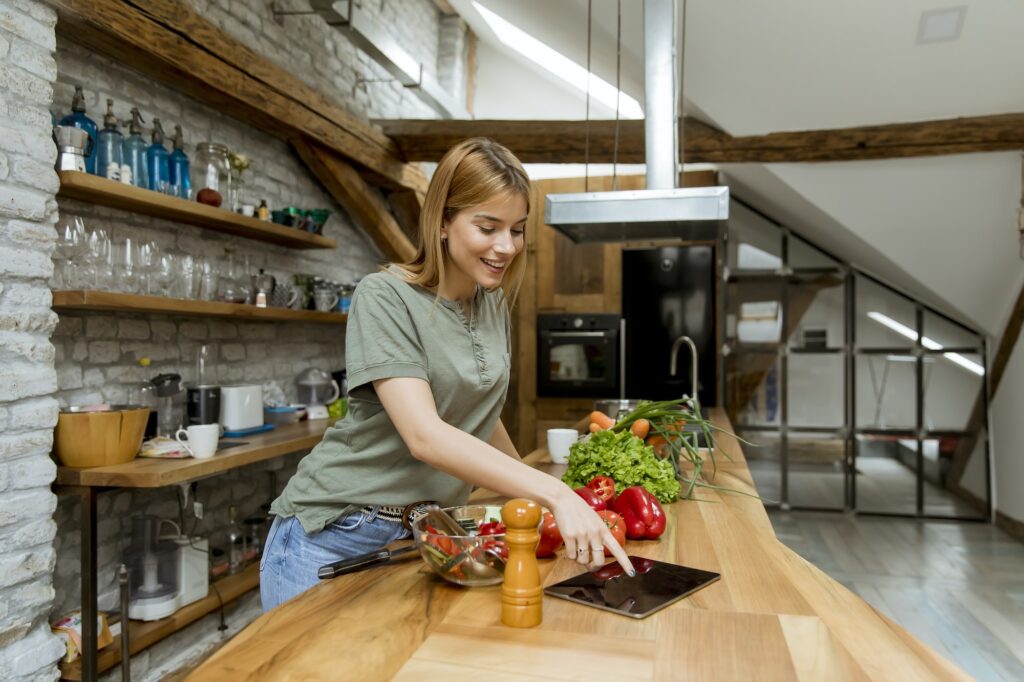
504, 243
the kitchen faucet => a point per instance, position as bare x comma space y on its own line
693, 359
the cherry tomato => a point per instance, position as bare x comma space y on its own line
491, 528
616, 525
603, 486
550, 537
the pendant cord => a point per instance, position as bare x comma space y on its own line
586, 124
618, 93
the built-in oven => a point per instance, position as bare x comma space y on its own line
578, 355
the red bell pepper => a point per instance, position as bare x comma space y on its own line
591, 498
644, 517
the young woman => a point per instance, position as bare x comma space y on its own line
428, 356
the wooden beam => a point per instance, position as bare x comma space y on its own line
406, 206
1007, 343
170, 42
564, 141
471, 63
363, 203
445, 8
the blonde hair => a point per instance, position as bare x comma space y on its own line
471, 173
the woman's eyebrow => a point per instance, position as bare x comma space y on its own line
495, 219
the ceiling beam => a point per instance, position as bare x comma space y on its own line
566, 141
173, 44
363, 203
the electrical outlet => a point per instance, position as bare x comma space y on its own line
197, 509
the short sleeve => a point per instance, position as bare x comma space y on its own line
381, 340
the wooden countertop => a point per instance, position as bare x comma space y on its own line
144, 472
772, 616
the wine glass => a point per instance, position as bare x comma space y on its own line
71, 245
165, 274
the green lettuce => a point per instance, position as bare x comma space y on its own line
626, 459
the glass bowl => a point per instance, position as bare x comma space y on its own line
470, 560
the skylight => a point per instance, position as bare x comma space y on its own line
559, 65
905, 331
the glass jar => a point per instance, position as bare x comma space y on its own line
210, 170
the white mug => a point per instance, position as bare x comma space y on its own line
202, 439
559, 441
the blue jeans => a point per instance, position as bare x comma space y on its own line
291, 557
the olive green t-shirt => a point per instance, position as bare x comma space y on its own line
397, 329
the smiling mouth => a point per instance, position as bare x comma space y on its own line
495, 266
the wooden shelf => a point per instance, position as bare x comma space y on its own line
144, 472
97, 190
147, 633
137, 303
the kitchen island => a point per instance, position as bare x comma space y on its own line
772, 616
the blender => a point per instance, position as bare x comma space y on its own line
164, 573
316, 389
204, 394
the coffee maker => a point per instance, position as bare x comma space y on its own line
204, 394
73, 145
263, 288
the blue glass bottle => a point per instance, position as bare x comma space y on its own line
180, 183
78, 119
108, 146
134, 151
158, 161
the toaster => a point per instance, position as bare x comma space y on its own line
241, 407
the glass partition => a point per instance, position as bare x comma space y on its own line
816, 470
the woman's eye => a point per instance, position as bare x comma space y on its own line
519, 233
485, 230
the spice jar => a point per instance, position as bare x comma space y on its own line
211, 173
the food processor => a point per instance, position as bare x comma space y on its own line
164, 573
316, 389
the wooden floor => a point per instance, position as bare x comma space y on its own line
957, 586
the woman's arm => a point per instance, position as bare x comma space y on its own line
501, 440
410, 405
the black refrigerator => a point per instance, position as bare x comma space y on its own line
669, 293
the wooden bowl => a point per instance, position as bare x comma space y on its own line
86, 439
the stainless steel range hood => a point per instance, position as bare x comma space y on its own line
663, 210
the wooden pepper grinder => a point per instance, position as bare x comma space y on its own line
521, 591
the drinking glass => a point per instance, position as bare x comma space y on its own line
98, 258
127, 271
148, 253
71, 245
208, 280
165, 274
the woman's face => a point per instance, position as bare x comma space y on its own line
482, 242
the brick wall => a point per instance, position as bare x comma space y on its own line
27, 377
95, 356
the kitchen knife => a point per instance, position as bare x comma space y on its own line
363, 561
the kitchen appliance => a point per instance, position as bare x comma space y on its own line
241, 407
78, 119
204, 395
263, 288
165, 573
668, 295
663, 210
316, 389
170, 393
578, 355
73, 146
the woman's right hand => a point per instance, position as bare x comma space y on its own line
585, 533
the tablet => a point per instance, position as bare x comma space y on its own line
655, 586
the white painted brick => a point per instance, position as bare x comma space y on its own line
31, 533
25, 85
18, 202
69, 326
80, 351
100, 327
33, 234
34, 656
33, 414
34, 59
5, 167
156, 352
25, 263
104, 352
37, 174
28, 28
5, 45
22, 346
25, 295
27, 321
131, 374
162, 330
21, 506
18, 380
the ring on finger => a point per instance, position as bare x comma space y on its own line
581, 550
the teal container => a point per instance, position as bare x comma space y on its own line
109, 144
134, 151
180, 184
78, 119
158, 161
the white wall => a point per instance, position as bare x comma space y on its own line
1007, 437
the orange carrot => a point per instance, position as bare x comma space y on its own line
594, 428
658, 443
601, 419
640, 428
